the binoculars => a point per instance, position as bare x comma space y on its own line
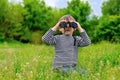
71, 24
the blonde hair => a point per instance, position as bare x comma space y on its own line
67, 18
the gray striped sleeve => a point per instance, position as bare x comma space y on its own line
49, 38
83, 39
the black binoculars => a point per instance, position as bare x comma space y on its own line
71, 24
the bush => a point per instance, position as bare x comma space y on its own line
36, 37
108, 29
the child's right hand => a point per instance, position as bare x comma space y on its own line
56, 27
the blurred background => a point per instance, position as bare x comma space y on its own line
24, 22
27, 20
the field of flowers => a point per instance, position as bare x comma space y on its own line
34, 62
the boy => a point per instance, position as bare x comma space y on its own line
66, 45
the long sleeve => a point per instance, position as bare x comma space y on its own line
83, 39
49, 37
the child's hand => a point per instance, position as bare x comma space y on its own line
56, 27
80, 29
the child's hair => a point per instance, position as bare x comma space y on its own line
66, 17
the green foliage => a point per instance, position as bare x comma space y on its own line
113, 58
3, 22
24, 21
20, 21
111, 7
12, 25
3, 10
39, 16
15, 19
92, 24
35, 37
108, 29
26, 36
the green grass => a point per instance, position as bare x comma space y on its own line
33, 62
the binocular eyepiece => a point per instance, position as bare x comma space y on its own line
71, 24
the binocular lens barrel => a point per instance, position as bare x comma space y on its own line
71, 24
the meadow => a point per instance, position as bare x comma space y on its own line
34, 62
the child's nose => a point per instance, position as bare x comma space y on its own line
67, 25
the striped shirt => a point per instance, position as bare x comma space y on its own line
65, 51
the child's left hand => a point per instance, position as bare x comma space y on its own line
80, 29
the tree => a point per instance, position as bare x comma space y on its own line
92, 23
111, 7
108, 29
3, 22
15, 17
37, 20
39, 16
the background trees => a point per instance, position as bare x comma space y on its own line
109, 25
37, 20
11, 26
108, 29
3, 22
28, 21
111, 7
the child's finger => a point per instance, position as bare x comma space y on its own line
63, 20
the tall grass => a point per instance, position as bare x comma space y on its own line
33, 62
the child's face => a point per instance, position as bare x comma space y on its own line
67, 30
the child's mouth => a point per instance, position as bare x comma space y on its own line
67, 30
